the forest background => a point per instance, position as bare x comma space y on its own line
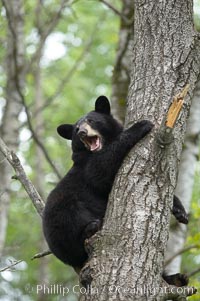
67, 54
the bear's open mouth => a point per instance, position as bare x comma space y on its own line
93, 143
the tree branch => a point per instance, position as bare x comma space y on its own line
181, 252
21, 175
165, 134
42, 254
121, 71
70, 73
178, 293
37, 140
115, 10
10, 266
192, 273
49, 27
28, 186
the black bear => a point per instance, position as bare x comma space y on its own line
75, 208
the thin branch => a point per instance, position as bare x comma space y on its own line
37, 140
181, 252
9, 19
21, 175
171, 292
192, 273
42, 254
38, 10
178, 293
10, 266
115, 10
49, 27
70, 73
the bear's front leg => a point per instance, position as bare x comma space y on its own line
91, 229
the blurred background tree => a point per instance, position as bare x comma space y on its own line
57, 57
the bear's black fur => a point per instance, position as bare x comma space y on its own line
75, 208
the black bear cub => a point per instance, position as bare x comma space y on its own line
75, 208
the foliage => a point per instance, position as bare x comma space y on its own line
197, 14
191, 259
88, 33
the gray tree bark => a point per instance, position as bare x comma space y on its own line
9, 129
120, 83
128, 255
185, 181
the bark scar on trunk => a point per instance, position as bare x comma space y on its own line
176, 107
165, 134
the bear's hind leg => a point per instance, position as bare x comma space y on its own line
179, 211
176, 279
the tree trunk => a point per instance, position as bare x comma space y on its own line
121, 73
128, 255
120, 83
43, 275
185, 181
9, 129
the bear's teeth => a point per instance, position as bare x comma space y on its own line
93, 143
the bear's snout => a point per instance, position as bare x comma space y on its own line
82, 133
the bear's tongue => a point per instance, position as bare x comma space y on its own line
93, 143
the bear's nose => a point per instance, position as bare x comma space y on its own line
82, 133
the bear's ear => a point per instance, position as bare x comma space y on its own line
65, 131
102, 105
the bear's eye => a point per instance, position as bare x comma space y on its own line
90, 121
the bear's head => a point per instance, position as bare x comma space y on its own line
93, 131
